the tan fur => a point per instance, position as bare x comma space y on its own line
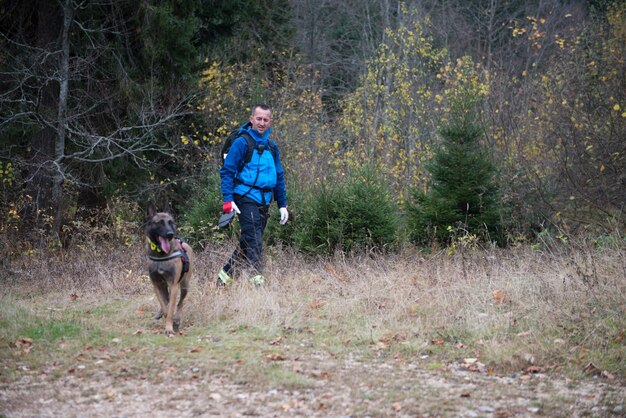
168, 282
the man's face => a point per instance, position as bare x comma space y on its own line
261, 120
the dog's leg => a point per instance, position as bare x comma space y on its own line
184, 287
160, 291
169, 320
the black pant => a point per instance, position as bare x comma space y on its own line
252, 220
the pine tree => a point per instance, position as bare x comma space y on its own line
463, 194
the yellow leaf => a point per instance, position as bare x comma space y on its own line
616, 107
602, 168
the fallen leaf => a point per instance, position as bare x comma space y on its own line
608, 375
195, 350
316, 304
275, 357
396, 407
378, 346
23, 342
73, 296
319, 374
591, 368
500, 297
534, 369
276, 340
465, 395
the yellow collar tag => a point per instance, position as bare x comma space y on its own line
154, 247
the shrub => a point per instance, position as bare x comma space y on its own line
199, 223
348, 215
463, 193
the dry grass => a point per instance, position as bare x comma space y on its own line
511, 308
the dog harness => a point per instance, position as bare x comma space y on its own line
184, 257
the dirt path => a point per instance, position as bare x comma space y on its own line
346, 388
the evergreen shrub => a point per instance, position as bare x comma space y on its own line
355, 213
198, 225
463, 195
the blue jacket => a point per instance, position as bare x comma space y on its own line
260, 179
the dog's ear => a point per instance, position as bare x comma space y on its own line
168, 208
151, 211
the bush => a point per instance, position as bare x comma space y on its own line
348, 215
199, 223
464, 194
276, 234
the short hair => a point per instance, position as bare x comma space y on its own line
261, 106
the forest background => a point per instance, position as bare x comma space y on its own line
106, 105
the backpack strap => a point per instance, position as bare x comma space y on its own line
251, 146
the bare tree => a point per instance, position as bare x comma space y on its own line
67, 85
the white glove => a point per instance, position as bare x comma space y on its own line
284, 215
236, 209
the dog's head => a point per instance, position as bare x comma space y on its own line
160, 229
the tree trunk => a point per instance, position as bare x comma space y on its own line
40, 182
59, 146
46, 172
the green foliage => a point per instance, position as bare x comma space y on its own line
276, 234
52, 331
347, 215
463, 192
246, 30
198, 225
390, 119
168, 31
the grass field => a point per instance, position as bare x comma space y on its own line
518, 332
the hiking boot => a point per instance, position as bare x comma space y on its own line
224, 279
257, 280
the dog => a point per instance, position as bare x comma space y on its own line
169, 267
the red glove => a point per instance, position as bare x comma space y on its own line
230, 206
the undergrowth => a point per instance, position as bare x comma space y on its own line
515, 311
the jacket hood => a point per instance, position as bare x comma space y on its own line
258, 137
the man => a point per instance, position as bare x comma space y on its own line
248, 189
